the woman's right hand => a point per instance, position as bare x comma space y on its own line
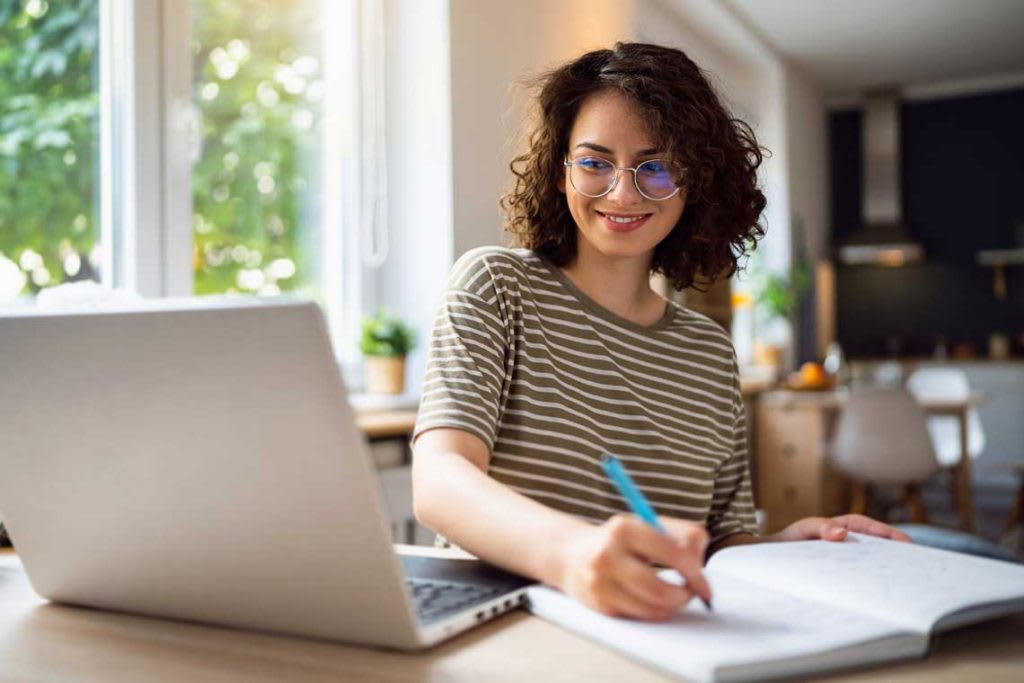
608, 567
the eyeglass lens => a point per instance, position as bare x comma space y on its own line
594, 177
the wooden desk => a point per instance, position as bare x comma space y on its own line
44, 642
386, 424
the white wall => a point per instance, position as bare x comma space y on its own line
419, 132
807, 161
496, 44
732, 70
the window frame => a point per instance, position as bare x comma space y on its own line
150, 132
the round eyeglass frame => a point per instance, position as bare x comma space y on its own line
569, 163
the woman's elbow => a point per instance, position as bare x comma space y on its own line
424, 496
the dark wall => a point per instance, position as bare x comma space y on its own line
963, 191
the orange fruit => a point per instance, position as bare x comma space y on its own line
812, 374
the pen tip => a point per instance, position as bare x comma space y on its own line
707, 603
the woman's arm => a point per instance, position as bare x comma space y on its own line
607, 567
453, 496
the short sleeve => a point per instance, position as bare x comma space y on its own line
466, 361
732, 503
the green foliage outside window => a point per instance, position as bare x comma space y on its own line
253, 186
49, 121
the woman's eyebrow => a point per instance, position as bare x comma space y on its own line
604, 150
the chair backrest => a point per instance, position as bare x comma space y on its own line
882, 437
948, 384
939, 383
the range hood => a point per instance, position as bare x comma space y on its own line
882, 239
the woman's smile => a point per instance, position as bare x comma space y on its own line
623, 222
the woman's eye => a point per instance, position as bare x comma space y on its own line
654, 167
593, 164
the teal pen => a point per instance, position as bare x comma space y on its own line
636, 501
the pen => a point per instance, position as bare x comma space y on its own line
636, 501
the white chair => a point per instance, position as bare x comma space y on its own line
948, 384
888, 374
882, 439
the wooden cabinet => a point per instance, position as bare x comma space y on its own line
793, 476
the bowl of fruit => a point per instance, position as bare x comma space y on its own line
810, 377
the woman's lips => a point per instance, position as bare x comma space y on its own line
623, 222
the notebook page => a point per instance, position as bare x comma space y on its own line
911, 585
748, 625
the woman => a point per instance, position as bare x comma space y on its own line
544, 357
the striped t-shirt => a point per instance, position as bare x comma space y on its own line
550, 380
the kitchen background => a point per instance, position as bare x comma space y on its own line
963, 180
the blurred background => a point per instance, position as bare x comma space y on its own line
351, 150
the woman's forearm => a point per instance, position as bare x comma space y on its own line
455, 498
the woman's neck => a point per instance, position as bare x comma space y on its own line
621, 285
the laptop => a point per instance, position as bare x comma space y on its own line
200, 461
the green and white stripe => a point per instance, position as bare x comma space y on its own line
549, 380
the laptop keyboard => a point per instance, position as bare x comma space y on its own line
438, 599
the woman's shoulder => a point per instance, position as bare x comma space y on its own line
481, 266
701, 330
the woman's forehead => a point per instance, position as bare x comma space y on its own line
610, 120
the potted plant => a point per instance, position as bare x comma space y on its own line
776, 296
385, 342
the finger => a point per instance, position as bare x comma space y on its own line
681, 549
614, 598
873, 527
629, 603
806, 529
639, 538
897, 535
829, 530
642, 581
691, 542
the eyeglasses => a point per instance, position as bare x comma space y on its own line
595, 177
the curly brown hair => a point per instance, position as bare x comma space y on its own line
717, 153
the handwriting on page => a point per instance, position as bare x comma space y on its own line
910, 584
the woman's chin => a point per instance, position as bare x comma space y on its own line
621, 250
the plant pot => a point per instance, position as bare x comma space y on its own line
385, 374
769, 355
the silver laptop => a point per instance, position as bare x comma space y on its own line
201, 462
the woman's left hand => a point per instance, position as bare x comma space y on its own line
836, 528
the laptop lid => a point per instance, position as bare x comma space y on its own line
196, 461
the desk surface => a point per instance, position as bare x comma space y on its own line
386, 424
44, 642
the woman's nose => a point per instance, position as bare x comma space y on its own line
624, 191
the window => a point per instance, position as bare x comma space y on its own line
49, 145
227, 134
257, 181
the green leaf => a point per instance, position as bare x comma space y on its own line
385, 335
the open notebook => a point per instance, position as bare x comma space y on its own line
783, 609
